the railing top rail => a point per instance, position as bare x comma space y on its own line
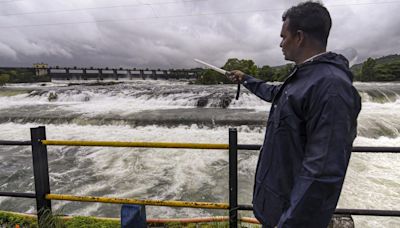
376, 149
362, 149
366, 149
19, 194
137, 144
14, 143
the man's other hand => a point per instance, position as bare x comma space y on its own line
236, 75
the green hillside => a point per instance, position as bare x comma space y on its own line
381, 60
386, 68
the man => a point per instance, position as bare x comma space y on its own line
311, 126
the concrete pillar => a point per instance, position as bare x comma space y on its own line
115, 73
100, 74
142, 74
84, 75
154, 74
165, 74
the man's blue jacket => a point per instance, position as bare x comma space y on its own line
308, 141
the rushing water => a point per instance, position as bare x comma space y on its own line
173, 111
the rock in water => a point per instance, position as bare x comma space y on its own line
225, 101
52, 96
202, 102
341, 221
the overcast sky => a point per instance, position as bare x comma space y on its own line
170, 33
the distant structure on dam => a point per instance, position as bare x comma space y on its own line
84, 73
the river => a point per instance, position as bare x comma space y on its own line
173, 111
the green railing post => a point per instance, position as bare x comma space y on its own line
233, 179
41, 174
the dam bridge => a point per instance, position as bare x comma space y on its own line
75, 73
92, 73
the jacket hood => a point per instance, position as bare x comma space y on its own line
332, 58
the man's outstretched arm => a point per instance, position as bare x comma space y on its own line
258, 87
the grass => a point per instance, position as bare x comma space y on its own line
90, 222
5, 92
8, 219
11, 219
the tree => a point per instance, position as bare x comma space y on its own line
357, 74
266, 73
209, 77
387, 72
282, 72
247, 66
368, 70
212, 77
4, 78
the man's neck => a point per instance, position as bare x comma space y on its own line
309, 54
313, 57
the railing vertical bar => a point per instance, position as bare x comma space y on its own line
41, 173
233, 179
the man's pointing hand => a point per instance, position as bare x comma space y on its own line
236, 75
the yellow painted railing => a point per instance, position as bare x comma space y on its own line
137, 144
168, 203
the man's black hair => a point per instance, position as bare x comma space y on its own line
310, 17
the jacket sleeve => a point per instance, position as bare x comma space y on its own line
260, 88
329, 129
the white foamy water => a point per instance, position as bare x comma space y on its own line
372, 181
201, 175
142, 95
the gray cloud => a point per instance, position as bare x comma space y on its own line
170, 33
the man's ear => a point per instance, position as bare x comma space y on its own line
300, 38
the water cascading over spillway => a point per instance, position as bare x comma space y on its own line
173, 111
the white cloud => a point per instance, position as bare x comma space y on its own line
170, 33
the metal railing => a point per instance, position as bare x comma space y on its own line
43, 196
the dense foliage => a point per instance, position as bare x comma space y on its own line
8, 219
381, 69
266, 72
20, 75
386, 68
4, 78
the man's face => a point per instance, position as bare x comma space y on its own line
288, 43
